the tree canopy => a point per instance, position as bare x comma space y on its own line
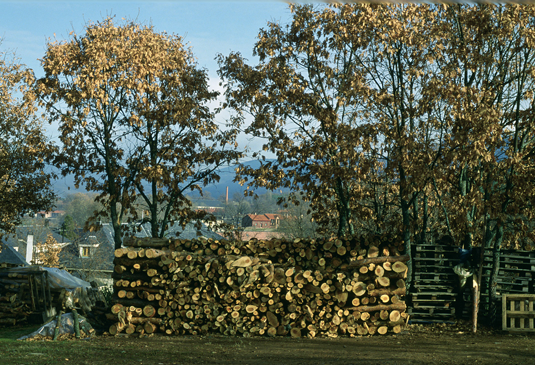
403, 118
132, 109
24, 149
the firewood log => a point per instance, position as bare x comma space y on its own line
383, 281
399, 267
398, 306
388, 291
378, 260
295, 332
394, 316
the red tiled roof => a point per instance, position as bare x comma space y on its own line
258, 217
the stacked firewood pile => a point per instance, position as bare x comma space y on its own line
26, 293
275, 287
22, 294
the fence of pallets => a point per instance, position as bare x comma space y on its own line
435, 291
518, 312
515, 272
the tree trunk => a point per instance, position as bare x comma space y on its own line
493, 281
117, 229
344, 210
407, 236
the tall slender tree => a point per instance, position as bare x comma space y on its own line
304, 103
132, 110
24, 182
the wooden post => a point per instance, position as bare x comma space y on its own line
477, 289
76, 323
475, 302
58, 324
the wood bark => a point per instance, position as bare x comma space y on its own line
269, 288
378, 260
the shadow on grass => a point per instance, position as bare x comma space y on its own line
12, 333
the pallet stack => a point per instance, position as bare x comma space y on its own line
515, 275
275, 287
518, 312
435, 291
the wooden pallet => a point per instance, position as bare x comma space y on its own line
438, 277
432, 287
514, 256
435, 260
436, 248
519, 259
433, 293
431, 311
518, 312
434, 279
430, 296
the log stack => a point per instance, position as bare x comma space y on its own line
272, 288
26, 292
23, 294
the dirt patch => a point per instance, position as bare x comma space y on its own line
437, 344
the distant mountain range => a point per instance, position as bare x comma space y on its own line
64, 186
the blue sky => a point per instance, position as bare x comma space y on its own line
209, 27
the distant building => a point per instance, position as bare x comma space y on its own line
261, 220
90, 256
274, 219
54, 214
210, 209
88, 246
9, 257
19, 240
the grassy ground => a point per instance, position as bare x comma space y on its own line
420, 345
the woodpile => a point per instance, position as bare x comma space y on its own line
26, 292
271, 288
22, 294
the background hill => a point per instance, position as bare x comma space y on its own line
64, 186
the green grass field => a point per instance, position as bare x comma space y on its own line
451, 345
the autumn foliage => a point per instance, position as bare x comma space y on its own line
132, 110
413, 119
48, 252
24, 183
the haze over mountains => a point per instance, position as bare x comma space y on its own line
64, 186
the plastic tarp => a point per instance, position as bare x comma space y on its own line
66, 327
463, 268
57, 278
62, 279
463, 274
